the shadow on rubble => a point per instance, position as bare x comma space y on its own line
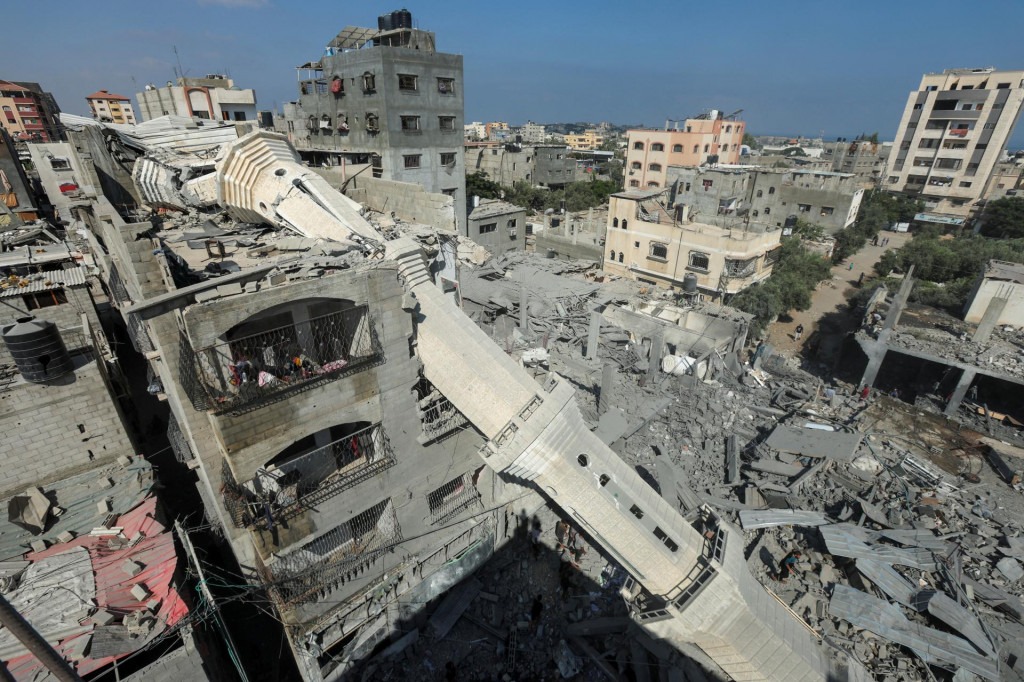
531, 612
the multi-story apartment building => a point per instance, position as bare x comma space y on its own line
111, 108
862, 158
27, 112
588, 140
214, 97
650, 240
533, 132
953, 132
389, 99
711, 138
1006, 180
497, 130
476, 130
767, 196
539, 165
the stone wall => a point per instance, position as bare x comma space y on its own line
411, 203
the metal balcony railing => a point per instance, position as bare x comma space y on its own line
301, 483
336, 557
452, 498
438, 417
251, 371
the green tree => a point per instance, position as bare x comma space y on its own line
749, 140
1004, 218
478, 184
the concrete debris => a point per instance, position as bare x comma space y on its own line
750, 520
1010, 568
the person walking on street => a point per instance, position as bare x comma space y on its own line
851, 266
799, 331
860, 280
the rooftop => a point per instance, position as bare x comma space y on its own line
493, 207
1005, 270
103, 94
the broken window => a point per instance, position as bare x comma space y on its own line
652, 183
489, 227
369, 82
446, 122
44, 299
372, 123
408, 82
736, 267
638, 145
447, 158
827, 210
656, 167
657, 147
446, 86
452, 498
659, 251
410, 123
338, 86
412, 160
772, 256
376, 162
803, 208
699, 261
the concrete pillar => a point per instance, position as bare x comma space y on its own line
654, 361
524, 312
607, 379
989, 319
593, 335
875, 357
959, 392
899, 301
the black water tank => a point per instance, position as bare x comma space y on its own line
790, 221
690, 283
384, 22
401, 18
37, 349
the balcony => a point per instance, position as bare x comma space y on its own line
342, 554
286, 490
248, 372
451, 499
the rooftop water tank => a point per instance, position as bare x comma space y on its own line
690, 283
401, 18
384, 22
37, 349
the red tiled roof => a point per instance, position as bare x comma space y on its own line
7, 85
103, 94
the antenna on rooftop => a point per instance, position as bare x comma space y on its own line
180, 73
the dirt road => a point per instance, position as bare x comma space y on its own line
831, 297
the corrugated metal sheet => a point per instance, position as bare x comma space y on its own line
886, 620
112, 584
842, 541
751, 519
888, 580
53, 279
955, 616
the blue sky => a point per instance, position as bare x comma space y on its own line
794, 67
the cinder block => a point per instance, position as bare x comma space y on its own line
132, 568
38, 545
140, 592
66, 536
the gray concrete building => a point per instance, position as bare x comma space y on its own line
507, 164
861, 158
389, 99
498, 226
767, 197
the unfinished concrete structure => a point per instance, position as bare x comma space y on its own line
304, 389
750, 195
498, 225
389, 99
509, 163
214, 97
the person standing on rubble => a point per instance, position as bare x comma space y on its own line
786, 566
972, 393
865, 392
561, 534
798, 332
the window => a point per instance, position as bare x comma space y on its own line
656, 167
917, 106
990, 126
449, 192
725, 147
489, 227
696, 149
827, 210
652, 183
634, 183
239, 115
728, 129
638, 145
446, 86
411, 123
369, 82
706, 148
447, 158
657, 147
1003, 86
512, 224
665, 539
767, 210
636, 511
583, 460
408, 82
636, 245
636, 165
771, 190
624, 221
412, 160
372, 123
967, 184
615, 222
613, 256
446, 122
677, 148
699, 261
659, 251
760, 193
620, 256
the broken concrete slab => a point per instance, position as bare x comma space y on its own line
752, 519
840, 445
1010, 568
452, 607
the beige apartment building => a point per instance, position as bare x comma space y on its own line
692, 142
588, 140
215, 97
110, 107
953, 132
650, 241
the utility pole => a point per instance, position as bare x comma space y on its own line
193, 561
34, 642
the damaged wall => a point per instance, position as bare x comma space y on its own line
409, 201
